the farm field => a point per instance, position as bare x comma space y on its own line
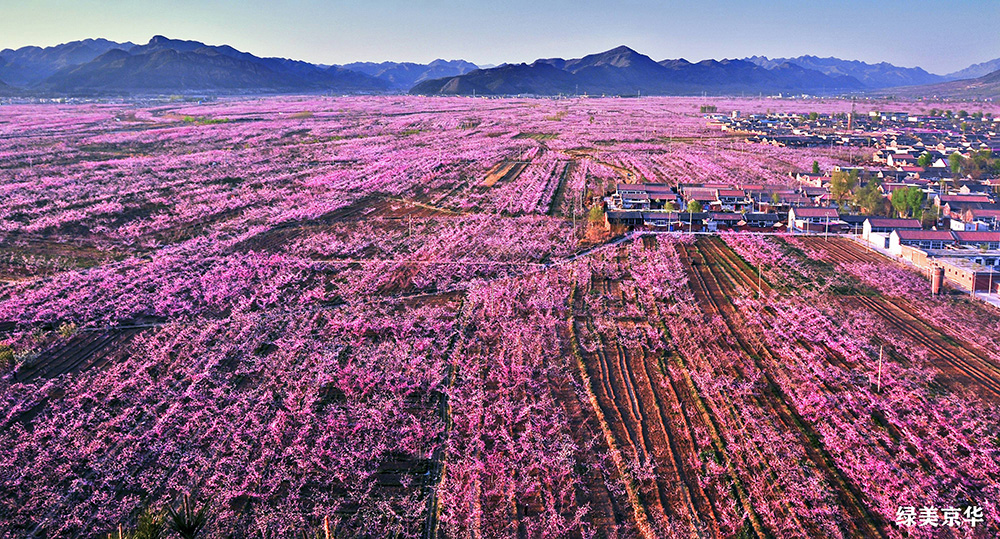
390, 317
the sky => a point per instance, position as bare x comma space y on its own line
940, 36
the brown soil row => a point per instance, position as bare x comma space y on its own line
707, 266
505, 171
647, 420
962, 363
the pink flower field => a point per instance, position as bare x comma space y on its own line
391, 317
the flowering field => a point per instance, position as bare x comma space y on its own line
389, 317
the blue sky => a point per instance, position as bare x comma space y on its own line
940, 36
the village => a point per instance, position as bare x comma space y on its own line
927, 194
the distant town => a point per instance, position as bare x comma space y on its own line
927, 192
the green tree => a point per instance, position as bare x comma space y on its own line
908, 202
596, 214
955, 161
6, 357
775, 199
813, 116
934, 112
963, 114
815, 167
964, 126
930, 217
869, 198
694, 207
925, 160
842, 184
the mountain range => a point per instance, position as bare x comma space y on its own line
985, 87
163, 65
403, 76
623, 71
976, 70
881, 75
98, 67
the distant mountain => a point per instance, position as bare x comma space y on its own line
403, 76
881, 75
8, 90
623, 71
170, 66
976, 70
985, 87
29, 65
101, 67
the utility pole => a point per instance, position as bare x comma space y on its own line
878, 387
759, 270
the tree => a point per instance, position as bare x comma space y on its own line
869, 199
775, 198
842, 184
925, 160
670, 205
909, 202
187, 522
964, 126
963, 114
930, 217
934, 112
694, 207
596, 214
955, 162
815, 167
813, 116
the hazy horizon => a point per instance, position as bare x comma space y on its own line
520, 31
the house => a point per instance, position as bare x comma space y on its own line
989, 218
635, 201
901, 160
886, 225
854, 222
671, 221
982, 240
733, 200
723, 221
622, 218
704, 196
660, 195
814, 219
814, 180
924, 239
761, 220
878, 229
941, 200
969, 275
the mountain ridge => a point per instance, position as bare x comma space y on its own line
94, 67
976, 70
985, 87
880, 75
623, 71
